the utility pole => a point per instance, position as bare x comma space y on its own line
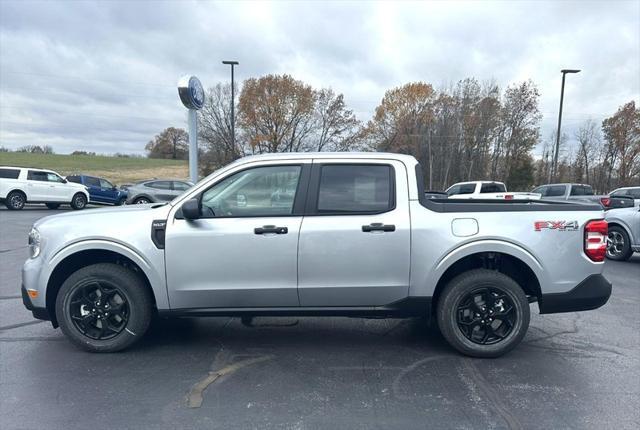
554, 165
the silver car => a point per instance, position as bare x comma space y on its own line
325, 234
156, 190
624, 233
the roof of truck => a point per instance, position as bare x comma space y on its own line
308, 155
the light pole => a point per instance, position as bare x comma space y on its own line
554, 166
233, 119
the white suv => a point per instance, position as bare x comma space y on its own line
19, 185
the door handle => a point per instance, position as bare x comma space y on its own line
378, 226
270, 229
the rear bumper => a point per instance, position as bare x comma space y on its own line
38, 313
591, 293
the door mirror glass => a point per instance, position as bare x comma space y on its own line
191, 209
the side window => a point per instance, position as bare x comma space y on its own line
555, 191
9, 173
634, 192
180, 186
90, 181
159, 185
453, 190
75, 179
467, 188
37, 175
52, 177
105, 184
259, 191
493, 188
355, 188
619, 193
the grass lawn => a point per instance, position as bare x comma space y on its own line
115, 169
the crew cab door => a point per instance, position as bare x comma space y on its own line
354, 245
243, 251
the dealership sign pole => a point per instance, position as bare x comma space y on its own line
192, 96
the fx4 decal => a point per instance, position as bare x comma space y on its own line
556, 225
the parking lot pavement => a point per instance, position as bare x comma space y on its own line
577, 370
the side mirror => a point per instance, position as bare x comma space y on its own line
191, 209
64, 181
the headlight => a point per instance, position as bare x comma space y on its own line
34, 242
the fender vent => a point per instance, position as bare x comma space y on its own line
158, 228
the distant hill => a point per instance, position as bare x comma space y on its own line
119, 170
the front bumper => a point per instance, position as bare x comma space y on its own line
39, 313
591, 293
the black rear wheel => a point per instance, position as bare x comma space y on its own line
483, 313
141, 201
104, 308
15, 201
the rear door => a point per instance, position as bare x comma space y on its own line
355, 237
160, 190
108, 193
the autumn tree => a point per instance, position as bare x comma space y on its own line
335, 126
276, 113
622, 135
214, 130
171, 143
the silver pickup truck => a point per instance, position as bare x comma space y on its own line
334, 234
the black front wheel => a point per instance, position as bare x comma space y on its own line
618, 246
79, 201
104, 307
483, 313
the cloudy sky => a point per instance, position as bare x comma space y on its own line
101, 76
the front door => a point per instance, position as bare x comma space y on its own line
355, 238
243, 251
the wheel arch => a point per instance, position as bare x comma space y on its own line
616, 223
18, 190
66, 263
504, 257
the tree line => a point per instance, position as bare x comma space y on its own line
466, 131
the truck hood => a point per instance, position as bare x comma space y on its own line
130, 225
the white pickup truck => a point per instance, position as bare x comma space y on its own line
486, 190
324, 234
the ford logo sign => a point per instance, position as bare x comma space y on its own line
191, 92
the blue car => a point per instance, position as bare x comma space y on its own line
100, 190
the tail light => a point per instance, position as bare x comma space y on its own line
508, 197
595, 239
606, 201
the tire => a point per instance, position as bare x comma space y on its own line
141, 201
79, 201
16, 200
618, 244
53, 205
76, 303
458, 301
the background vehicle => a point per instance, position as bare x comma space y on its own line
629, 192
624, 233
19, 185
358, 237
486, 190
156, 190
100, 190
580, 193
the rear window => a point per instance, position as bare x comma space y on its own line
581, 190
634, 192
9, 173
493, 188
355, 188
181, 186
